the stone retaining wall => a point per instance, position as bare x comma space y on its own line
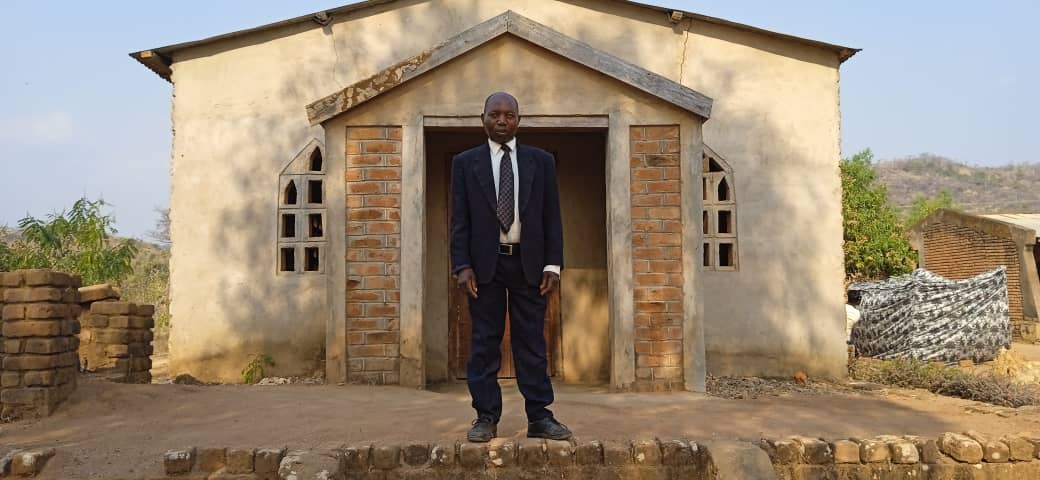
38, 342
951, 456
116, 340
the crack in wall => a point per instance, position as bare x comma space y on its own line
686, 44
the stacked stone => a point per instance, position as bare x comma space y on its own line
117, 341
39, 313
953, 455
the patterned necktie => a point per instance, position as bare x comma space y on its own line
505, 190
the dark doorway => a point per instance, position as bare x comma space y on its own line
580, 157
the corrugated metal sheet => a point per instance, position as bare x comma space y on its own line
1025, 220
158, 59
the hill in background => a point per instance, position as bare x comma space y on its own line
1005, 189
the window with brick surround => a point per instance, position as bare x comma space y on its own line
301, 213
720, 213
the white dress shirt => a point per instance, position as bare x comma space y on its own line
513, 235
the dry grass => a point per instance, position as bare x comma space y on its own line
953, 382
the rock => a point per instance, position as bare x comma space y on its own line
179, 461
676, 453
266, 463
815, 451
589, 453
616, 454
240, 460
904, 452
212, 459
302, 465
845, 451
783, 452
738, 460
532, 452
646, 452
960, 447
30, 464
502, 452
443, 455
386, 457
473, 455
927, 449
355, 459
874, 451
267, 381
185, 379
416, 454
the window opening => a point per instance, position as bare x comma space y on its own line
288, 226
704, 221
704, 187
311, 258
314, 191
316, 160
314, 221
723, 190
714, 166
290, 193
707, 254
288, 261
725, 254
725, 221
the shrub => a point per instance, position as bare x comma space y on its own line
948, 381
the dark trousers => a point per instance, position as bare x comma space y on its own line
527, 321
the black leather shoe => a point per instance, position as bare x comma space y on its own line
483, 430
548, 428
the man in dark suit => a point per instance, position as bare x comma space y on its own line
507, 252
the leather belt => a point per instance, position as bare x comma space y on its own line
509, 249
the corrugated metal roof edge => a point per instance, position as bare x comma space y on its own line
162, 62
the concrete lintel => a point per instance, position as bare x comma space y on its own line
528, 121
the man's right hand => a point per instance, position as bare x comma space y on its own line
467, 281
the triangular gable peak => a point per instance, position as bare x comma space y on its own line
512, 23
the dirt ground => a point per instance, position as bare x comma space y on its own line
120, 431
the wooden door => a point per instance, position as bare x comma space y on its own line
460, 325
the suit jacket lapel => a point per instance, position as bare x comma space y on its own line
527, 166
485, 176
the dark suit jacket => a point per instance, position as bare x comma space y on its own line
474, 223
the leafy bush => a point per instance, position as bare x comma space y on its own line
149, 283
949, 381
876, 245
78, 241
254, 371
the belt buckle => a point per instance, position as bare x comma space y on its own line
505, 249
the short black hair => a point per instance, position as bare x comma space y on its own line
511, 97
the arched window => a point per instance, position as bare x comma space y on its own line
301, 213
720, 213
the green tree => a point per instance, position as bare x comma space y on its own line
876, 246
78, 241
923, 206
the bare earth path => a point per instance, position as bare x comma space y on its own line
120, 431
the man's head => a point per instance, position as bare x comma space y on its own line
501, 117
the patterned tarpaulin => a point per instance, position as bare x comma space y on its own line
924, 316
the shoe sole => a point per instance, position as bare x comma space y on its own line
482, 440
548, 437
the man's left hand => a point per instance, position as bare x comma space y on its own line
550, 282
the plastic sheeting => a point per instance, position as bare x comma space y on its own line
924, 316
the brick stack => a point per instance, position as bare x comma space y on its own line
373, 180
958, 252
39, 312
657, 257
117, 341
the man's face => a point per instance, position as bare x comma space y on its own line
501, 118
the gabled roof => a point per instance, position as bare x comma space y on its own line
514, 24
159, 59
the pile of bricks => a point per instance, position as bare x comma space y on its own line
657, 258
952, 455
39, 312
117, 341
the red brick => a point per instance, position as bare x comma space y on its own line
649, 253
361, 268
367, 242
651, 278
666, 347
379, 283
651, 307
355, 310
394, 133
382, 337
661, 160
366, 160
393, 160
366, 350
383, 173
672, 200
382, 310
366, 214
649, 361
355, 201
646, 226
662, 239
650, 294
366, 133
644, 373
638, 187
644, 174
368, 324
394, 296
364, 188
382, 201
365, 296
637, 133
377, 228
646, 201
385, 255
641, 266
353, 148
644, 347
671, 173
665, 213
667, 373
355, 338
355, 228
662, 133
663, 186
380, 147
670, 147
393, 214
640, 212
393, 187
658, 266
647, 147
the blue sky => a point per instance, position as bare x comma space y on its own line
80, 118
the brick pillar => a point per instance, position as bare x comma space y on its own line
116, 340
373, 254
40, 310
657, 258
